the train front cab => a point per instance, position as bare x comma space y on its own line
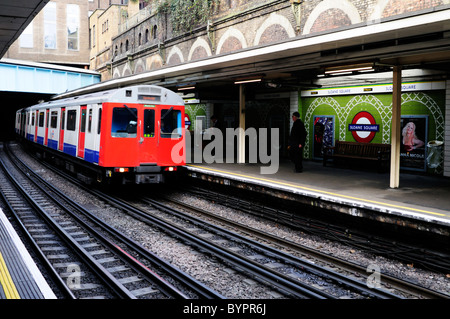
141, 143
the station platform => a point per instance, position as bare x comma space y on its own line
20, 278
421, 202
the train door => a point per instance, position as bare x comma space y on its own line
61, 129
24, 124
36, 125
148, 138
47, 120
82, 131
119, 143
92, 136
171, 130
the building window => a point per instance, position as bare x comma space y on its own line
73, 26
50, 25
155, 32
26, 38
94, 38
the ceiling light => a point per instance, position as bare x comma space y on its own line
247, 81
362, 67
186, 88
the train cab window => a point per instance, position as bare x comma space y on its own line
41, 119
71, 120
124, 122
54, 119
149, 123
171, 123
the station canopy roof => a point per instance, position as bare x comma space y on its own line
416, 41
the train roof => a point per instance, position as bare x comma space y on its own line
148, 94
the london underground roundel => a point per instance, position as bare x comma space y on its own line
364, 127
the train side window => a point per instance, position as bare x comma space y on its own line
149, 123
71, 120
83, 121
90, 121
32, 119
124, 122
170, 123
41, 119
99, 126
54, 119
63, 119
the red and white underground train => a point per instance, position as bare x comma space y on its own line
131, 135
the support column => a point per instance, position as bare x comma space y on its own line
241, 142
395, 127
447, 131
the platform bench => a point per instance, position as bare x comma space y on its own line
375, 152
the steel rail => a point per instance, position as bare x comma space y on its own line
296, 289
199, 288
163, 285
60, 284
270, 251
95, 266
283, 243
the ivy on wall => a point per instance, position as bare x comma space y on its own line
185, 15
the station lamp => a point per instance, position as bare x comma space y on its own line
342, 69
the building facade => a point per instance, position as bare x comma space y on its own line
57, 35
165, 34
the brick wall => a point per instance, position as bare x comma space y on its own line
239, 24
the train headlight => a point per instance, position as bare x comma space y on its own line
121, 170
170, 169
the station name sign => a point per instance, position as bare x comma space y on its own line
378, 88
364, 127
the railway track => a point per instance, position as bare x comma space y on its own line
392, 244
289, 275
402, 287
85, 263
294, 276
287, 284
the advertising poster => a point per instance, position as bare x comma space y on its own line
323, 134
413, 142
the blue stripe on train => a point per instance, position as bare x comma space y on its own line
70, 149
91, 156
53, 144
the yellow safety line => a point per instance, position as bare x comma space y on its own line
319, 191
7, 282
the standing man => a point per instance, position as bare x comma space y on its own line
297, 141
